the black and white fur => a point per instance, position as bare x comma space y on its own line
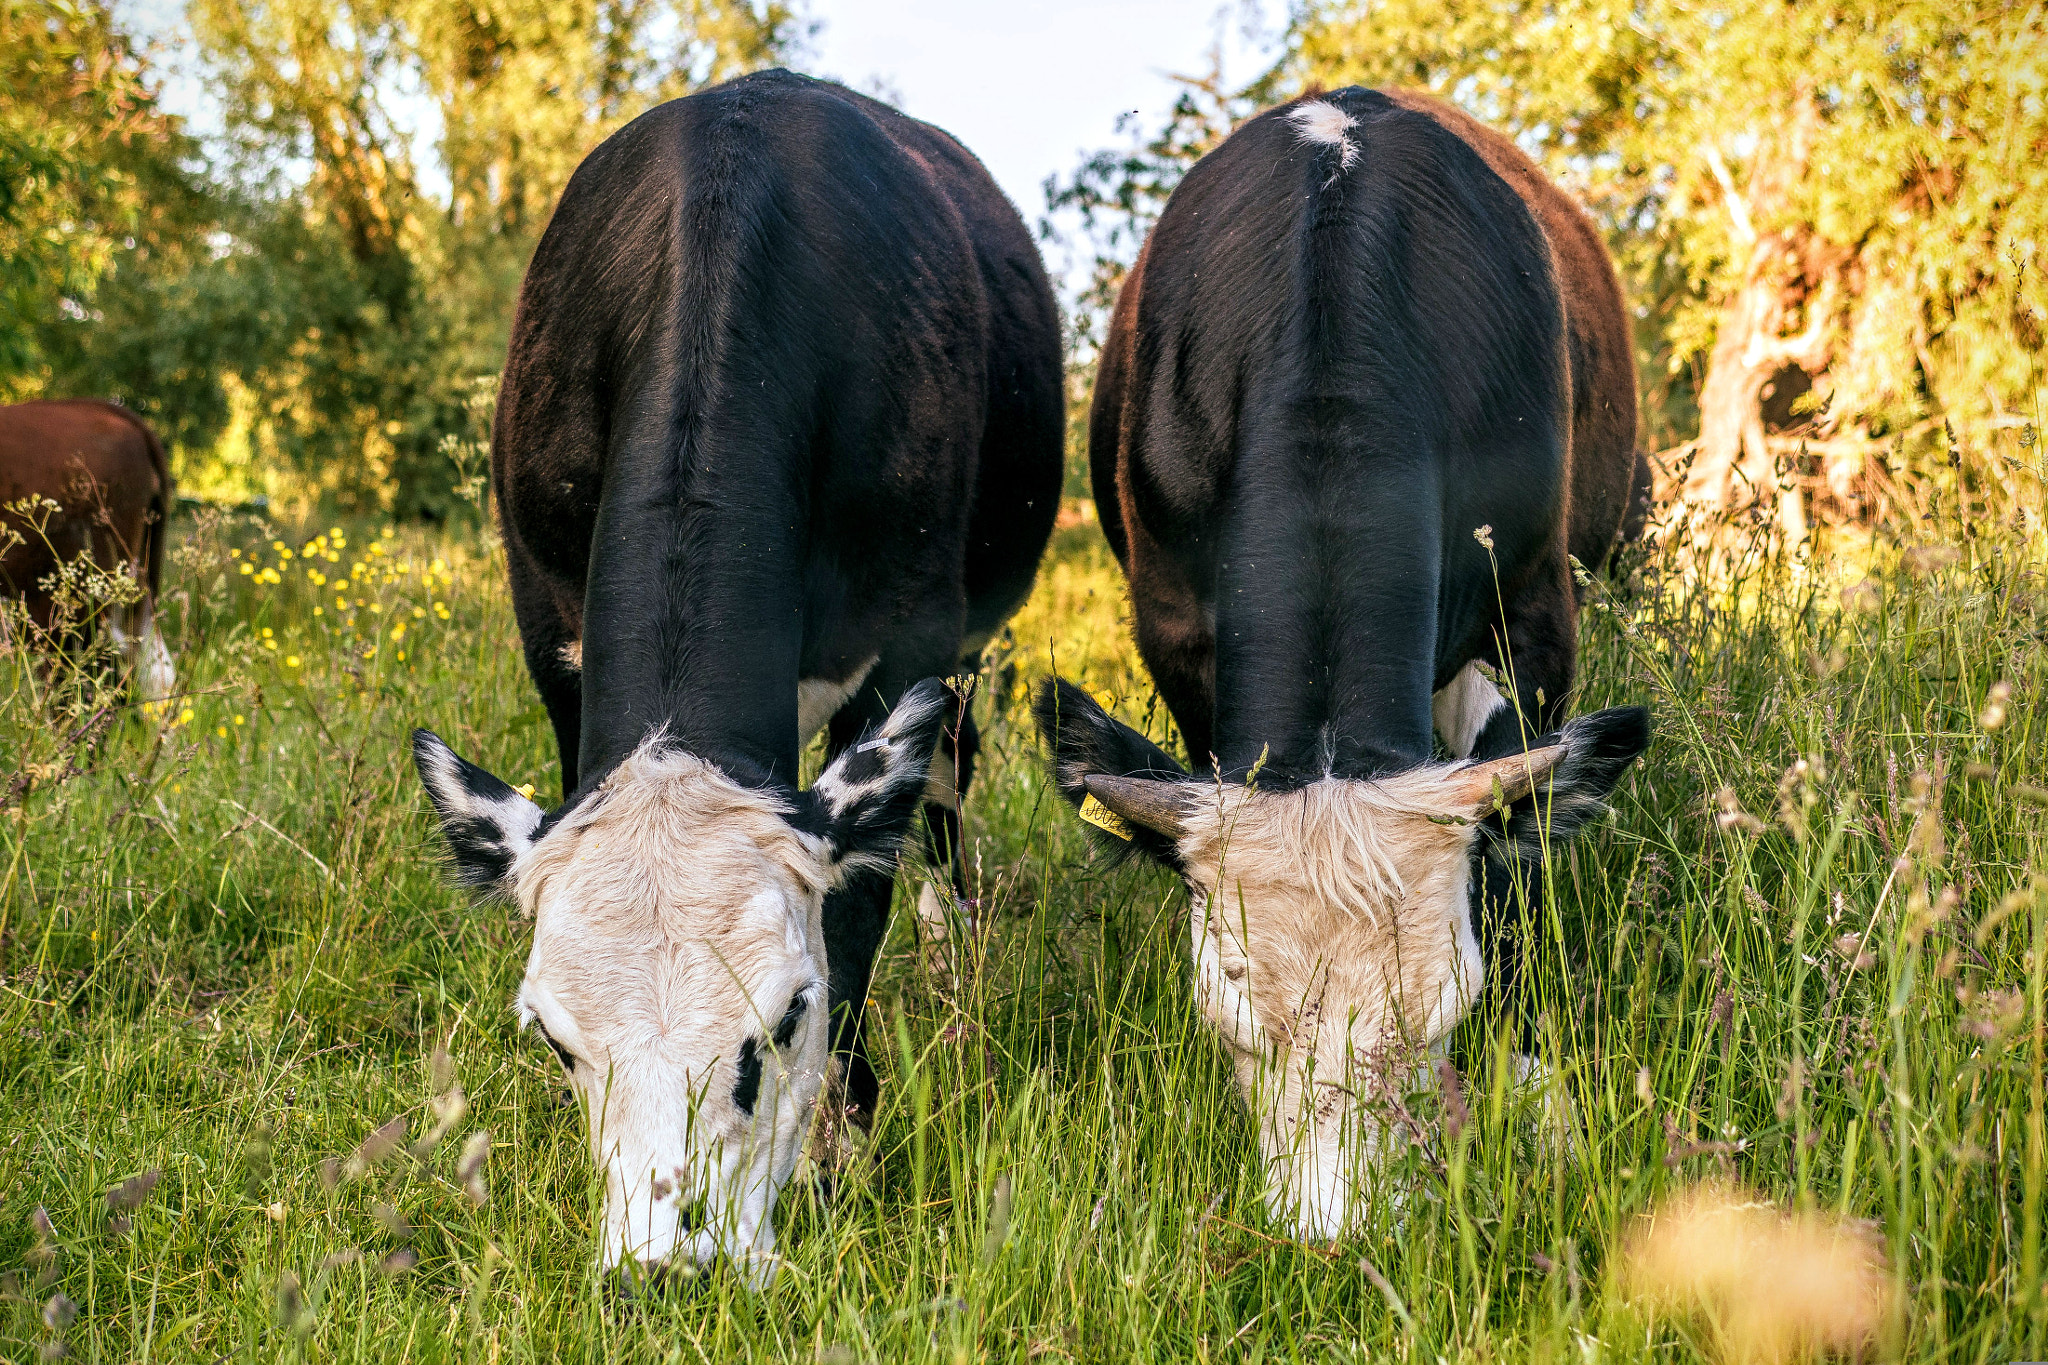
779, 436
1365, 393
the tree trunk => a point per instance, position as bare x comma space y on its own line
1732, 466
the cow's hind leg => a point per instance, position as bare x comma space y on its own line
856, 918
1509, 894
951, 772
553, 641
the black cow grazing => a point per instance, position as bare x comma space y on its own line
1366, 389
779, 436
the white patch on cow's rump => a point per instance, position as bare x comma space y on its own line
819, 699
1462, 709
1324, 123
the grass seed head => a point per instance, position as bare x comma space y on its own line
392, 1220
1993, 716
293, 1314
1773, 1287
132, 1193
377, 1148
471, 1168
1456, 1115
450, 1108
1731, 815
399, 1261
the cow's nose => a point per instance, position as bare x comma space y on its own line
633, 1279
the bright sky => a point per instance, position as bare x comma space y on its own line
1031, 87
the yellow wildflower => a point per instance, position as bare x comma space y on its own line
185, 716
291, 661
248, 568
221, 730
239, 720
398, 631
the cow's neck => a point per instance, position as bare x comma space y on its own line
692, 617
1327, 618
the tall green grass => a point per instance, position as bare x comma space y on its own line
230, 955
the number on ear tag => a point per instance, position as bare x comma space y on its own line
1102, 817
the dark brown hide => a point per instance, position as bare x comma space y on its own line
111, 482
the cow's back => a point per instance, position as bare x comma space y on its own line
1604, 455
1344, 354
774, 344
105, 471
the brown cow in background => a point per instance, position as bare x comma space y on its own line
111, 483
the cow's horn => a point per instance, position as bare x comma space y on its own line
1144, 801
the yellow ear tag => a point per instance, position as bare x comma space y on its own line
1102, 817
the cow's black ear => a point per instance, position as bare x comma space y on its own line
1598, 749
869, 795
487, 824
1086, 741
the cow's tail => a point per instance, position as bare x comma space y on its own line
1642, 491
158, 533
155, 675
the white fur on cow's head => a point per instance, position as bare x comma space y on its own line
1332, 929
1331, 922
678, 966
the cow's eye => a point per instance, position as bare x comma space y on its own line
793, 1016
562, 1054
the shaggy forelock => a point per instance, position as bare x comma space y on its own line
1350, 845
657, 816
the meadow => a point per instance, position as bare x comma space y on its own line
1804, 960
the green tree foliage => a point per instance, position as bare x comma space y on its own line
1835, 203
1848, 195
304, 318
83, 149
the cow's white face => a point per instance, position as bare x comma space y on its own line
1332, 934
1331, 922
679, 967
